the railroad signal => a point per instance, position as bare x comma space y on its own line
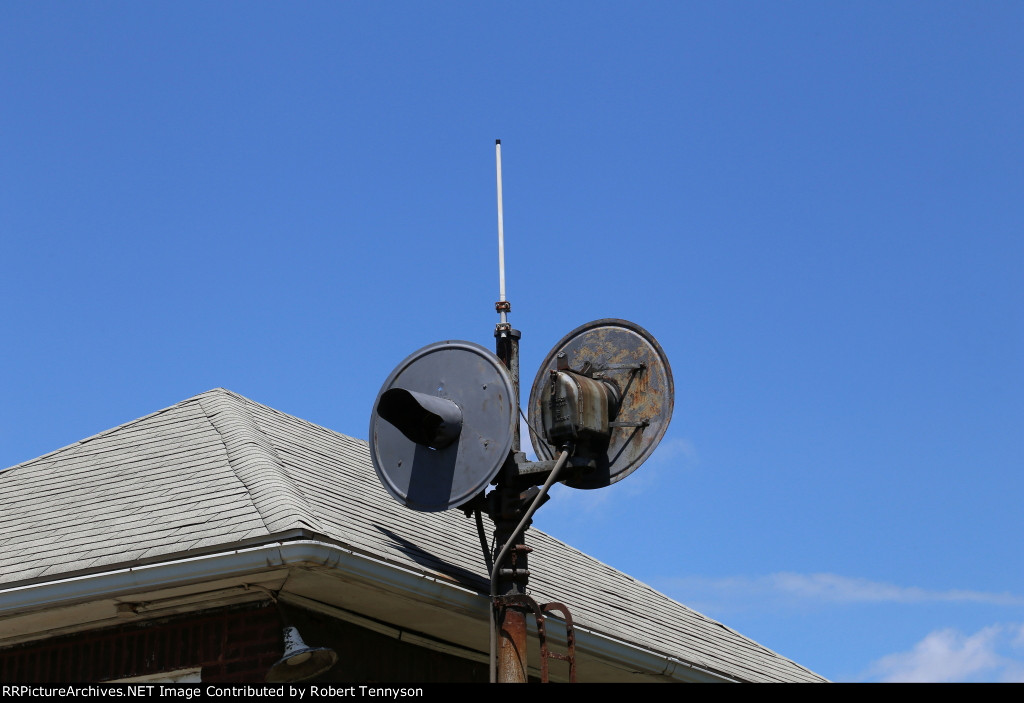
444, 427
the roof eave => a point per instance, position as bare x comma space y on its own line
297, 553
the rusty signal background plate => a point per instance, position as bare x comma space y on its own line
613, 346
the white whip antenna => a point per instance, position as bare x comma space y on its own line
503, 305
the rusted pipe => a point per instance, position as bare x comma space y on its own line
562, 459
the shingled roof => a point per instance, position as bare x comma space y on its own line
220, 472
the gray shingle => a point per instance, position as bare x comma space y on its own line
218, 468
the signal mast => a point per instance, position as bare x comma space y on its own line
445, 426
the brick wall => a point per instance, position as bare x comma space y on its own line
232, 645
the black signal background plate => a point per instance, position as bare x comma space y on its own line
436, 479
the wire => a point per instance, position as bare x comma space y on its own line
543, 445
483, 540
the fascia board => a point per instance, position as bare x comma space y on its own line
235, 563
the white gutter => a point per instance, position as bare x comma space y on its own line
241, 562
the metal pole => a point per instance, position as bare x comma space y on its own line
506, 346
508, 643
508, 646
507, 339
511, 656
503, 309
509, 665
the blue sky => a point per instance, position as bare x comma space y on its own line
815, 207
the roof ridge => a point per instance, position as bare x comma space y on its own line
254, 460
113, 429
290, 416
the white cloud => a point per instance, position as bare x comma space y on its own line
786, 588
842, 589
1018, 640
994, 653
581, 501
949, 655
674, 455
